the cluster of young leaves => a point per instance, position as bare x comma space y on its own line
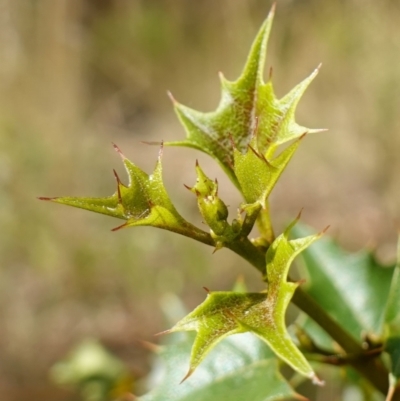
243, 136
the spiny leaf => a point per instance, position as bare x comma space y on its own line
239, 368
226, 313
246, 104
143, 202
352, 287
256, 174
392, 325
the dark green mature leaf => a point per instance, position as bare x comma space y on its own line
240, 368
247, 106
352, 288
392, 323
225, 313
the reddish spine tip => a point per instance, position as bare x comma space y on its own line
188, 374
118, 187
46, 198
119, 227
160, 152
187, 187
161, 333
299, 214
171, 97
206, 290
151, 143
118, 150
325, 230
271, 71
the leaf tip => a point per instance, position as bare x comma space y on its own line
298, 217
118, 150
151, 142
119, 227
171, 97
316, 380
207, 290
273, 9
325, 230
270, 73
188, 374
160, 152
161, 333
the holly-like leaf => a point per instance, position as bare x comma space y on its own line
226, 313
352, 287
239, 368
256, 174
392, 324
247, 105
143, 202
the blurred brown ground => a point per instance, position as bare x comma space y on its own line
76, 75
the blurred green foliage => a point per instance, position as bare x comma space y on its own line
76, 75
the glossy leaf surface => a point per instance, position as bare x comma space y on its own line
239, 368
392, 325
352, 287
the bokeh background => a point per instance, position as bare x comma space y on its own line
76, 75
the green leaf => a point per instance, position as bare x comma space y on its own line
256, 175
239, 368
248, 106
392, 323
351, 287
226, 313
143, 202
92, 370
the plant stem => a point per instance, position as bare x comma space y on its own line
371, 368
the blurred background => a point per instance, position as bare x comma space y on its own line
76, 75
